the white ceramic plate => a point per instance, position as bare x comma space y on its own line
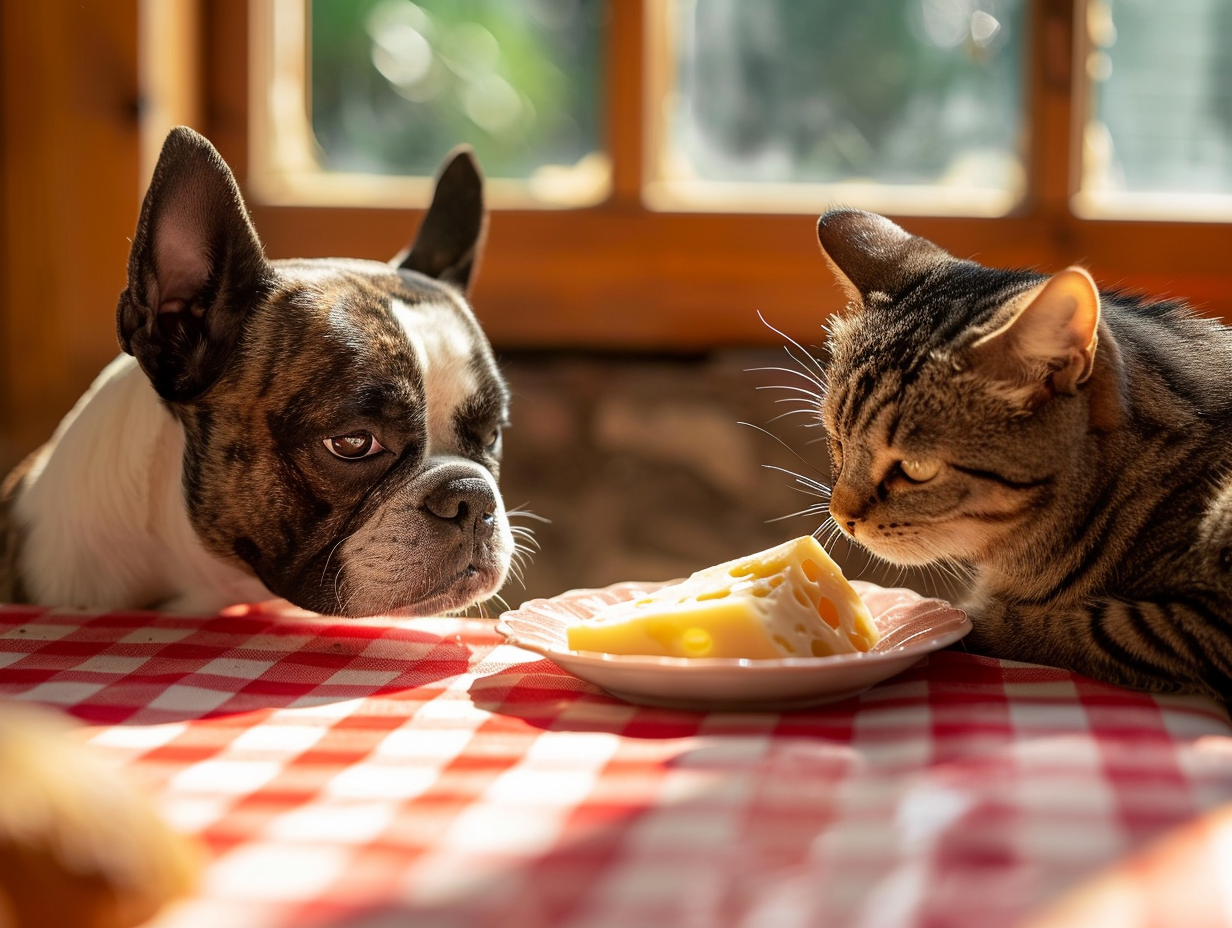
911, 626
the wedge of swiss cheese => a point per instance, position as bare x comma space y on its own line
788, 601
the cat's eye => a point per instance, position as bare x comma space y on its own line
353, 447
919, 470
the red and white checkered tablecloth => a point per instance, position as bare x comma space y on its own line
420, 772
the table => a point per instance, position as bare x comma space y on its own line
419, 771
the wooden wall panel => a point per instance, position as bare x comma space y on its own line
68, 164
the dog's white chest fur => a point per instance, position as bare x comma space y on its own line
116, 533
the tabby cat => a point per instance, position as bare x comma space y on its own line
1071, 447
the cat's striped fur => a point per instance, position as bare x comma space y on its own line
1073, 447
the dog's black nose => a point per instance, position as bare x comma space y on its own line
467, 501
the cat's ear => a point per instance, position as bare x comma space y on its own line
870, 254
1051, 337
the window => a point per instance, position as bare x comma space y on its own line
367, 96
671, 203
899, 106
1158, 141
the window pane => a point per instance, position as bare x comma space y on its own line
906, 93
1161, 98
395, 84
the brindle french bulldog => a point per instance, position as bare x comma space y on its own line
326, 431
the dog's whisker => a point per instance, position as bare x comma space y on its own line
521, 513
328, 557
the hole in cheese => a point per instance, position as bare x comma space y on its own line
828, 612
810, 568
713, 594
696, 641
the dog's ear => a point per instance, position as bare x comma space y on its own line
195, 270
451, 238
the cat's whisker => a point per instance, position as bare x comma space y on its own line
789, 388
808, 491
787, 338
801, 372
793, 412
801, 404
810, 511
803, 460
792, 371
943, 571
827, 533
797, 403
800, 478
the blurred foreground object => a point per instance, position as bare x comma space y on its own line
1183, 880
79, 845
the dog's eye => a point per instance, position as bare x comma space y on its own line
491, 438
353, 447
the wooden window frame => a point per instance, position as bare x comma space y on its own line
620, 276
